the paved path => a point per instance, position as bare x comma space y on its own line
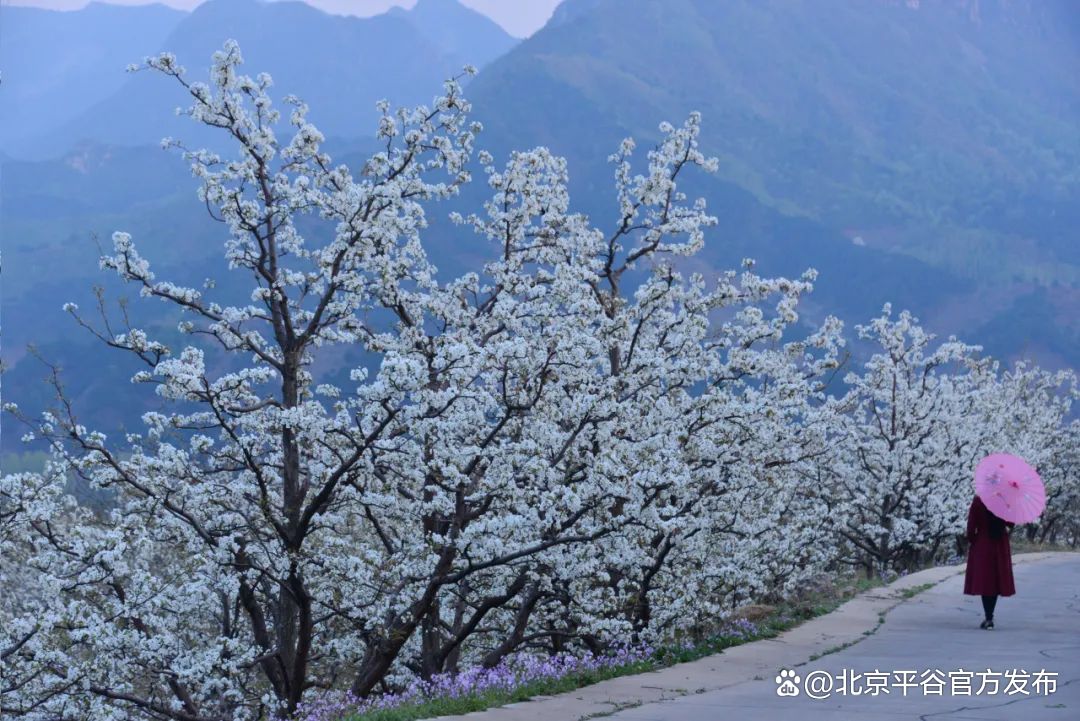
937, 629
1039, 629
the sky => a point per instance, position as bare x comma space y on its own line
520, 18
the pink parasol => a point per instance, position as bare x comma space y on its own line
1010, 488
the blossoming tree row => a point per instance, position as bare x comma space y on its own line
540, 458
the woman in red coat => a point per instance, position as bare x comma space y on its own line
989, 563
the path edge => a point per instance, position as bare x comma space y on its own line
855, 619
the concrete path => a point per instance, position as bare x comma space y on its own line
879, 631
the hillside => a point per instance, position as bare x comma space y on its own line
341, 65
459, 30
919, 130
947, 132
59, 64
924, 156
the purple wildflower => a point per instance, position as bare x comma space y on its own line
507, 676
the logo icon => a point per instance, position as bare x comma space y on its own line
787, 683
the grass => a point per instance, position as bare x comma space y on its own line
489, 699
1021, 545
834, 649
915, 590
662, 658
618, 707
784, 616
869, 632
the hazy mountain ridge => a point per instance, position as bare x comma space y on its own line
402, 56
911, 130
951, 191
826, 108
58, 64
464, 32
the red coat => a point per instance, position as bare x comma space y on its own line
989, 562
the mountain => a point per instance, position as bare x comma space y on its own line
340, 65
58, 215
457, 29
910, 125
865, 134
58, 64
921, 155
